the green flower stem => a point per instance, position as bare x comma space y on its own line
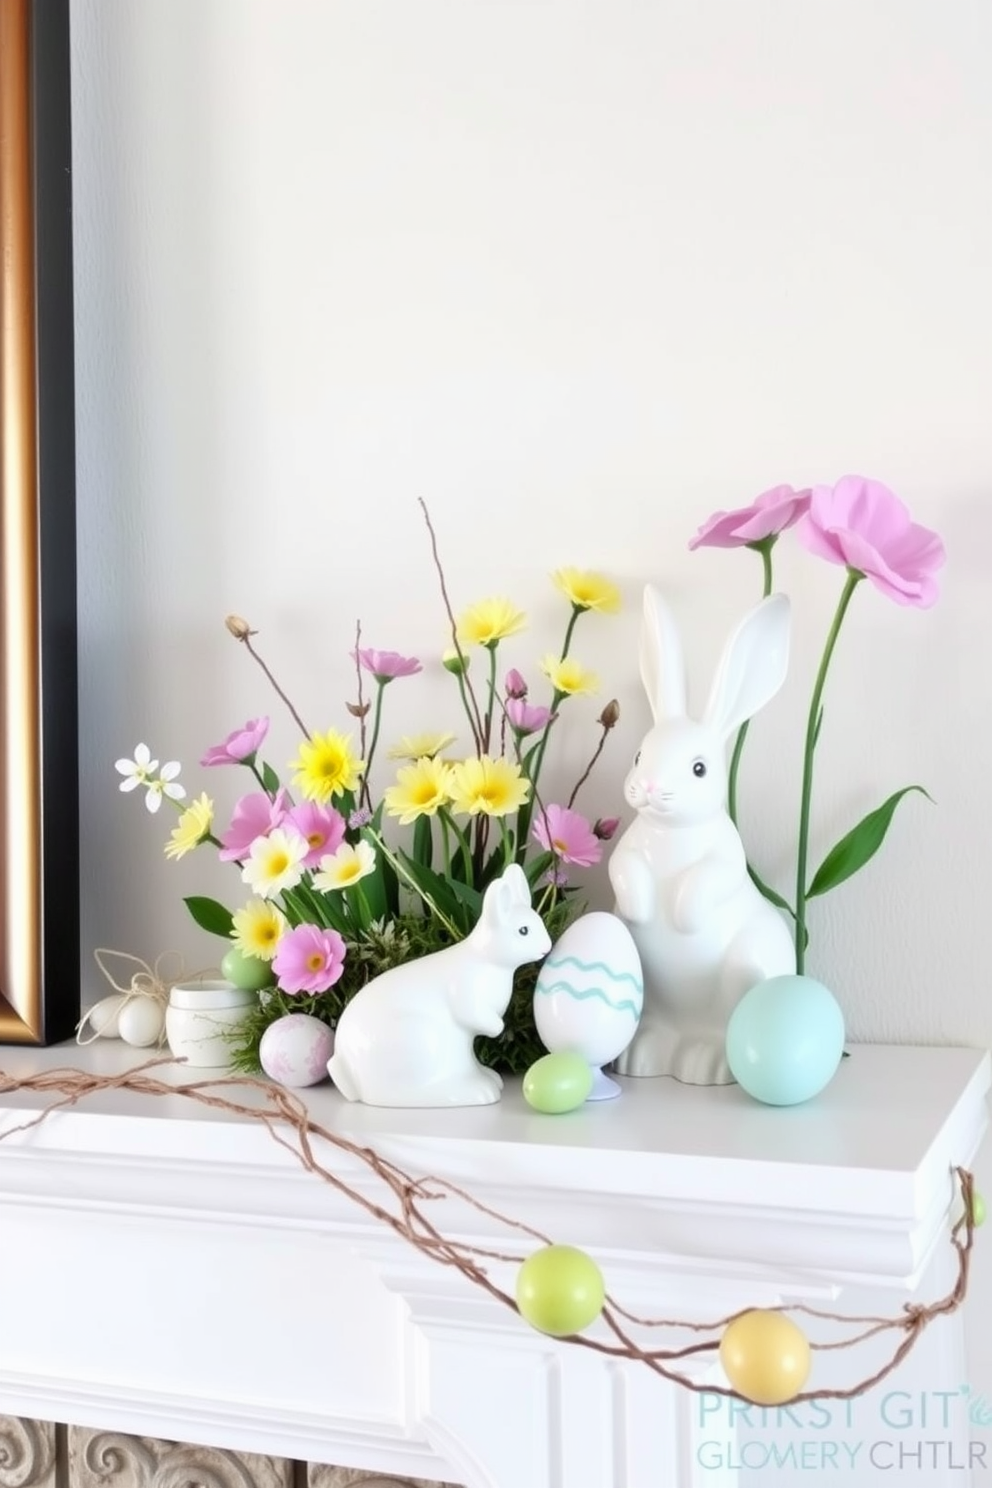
445, 844
447, 820
490, 698
764, 547
802, 855
527, 810
257, 774
376, 722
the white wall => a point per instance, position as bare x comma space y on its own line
577, 274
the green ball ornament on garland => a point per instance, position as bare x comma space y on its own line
560, 1290
977, 1209
249, 973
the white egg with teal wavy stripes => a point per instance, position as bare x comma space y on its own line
590, 994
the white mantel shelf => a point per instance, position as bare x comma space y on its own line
172, 1271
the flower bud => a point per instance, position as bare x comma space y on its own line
605, 827
610, 716
455, 664
358, 710
240, 629
515, 686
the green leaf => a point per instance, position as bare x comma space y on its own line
423, 840
860, 844
270, 779
437, 889
210, 916
774, 897
539, 864
470, 897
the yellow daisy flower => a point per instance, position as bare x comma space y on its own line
587, 591
420, 746
493, 787
341, 869
568, 677
489, 621
326, 766
258, 929
194, 824
419, 790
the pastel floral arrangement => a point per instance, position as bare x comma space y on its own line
862, 526
331, 898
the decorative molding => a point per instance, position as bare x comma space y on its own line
111, 1459
360, 1351
27, 1453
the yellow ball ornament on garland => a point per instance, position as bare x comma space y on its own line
765, 1357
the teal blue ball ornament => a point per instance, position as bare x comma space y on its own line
785, 1040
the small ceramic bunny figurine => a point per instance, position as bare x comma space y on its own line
406, 1039
704, 933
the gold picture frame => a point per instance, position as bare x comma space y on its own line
39, 771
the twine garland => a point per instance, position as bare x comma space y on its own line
281, 1108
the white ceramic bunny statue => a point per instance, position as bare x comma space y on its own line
704, 932
406, 1039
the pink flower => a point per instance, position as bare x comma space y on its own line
767, 516
321, 826
309, 959
861, 524
515, 686
385, 665
568, 835
605, 828
255, 815
525, 718
240, 745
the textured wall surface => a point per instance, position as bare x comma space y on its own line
39, 1454
577, 275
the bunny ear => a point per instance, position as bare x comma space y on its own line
517, 888
752, 668
662, 662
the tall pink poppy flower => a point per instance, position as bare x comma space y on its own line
239, 746
568, 835
861, 524
768, 515
320, 826
386, 665
527, 718
255, 815
309, 959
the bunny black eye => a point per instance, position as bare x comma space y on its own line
637, 758
524, 930
699, 768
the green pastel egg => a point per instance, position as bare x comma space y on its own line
560, 1290
557, 1083
977, 1208
249, 973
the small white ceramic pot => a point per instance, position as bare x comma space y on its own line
201, 1018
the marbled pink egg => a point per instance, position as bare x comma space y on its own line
295, 1049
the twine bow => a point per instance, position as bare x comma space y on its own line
148, 982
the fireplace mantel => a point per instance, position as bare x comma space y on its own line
173, 1271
